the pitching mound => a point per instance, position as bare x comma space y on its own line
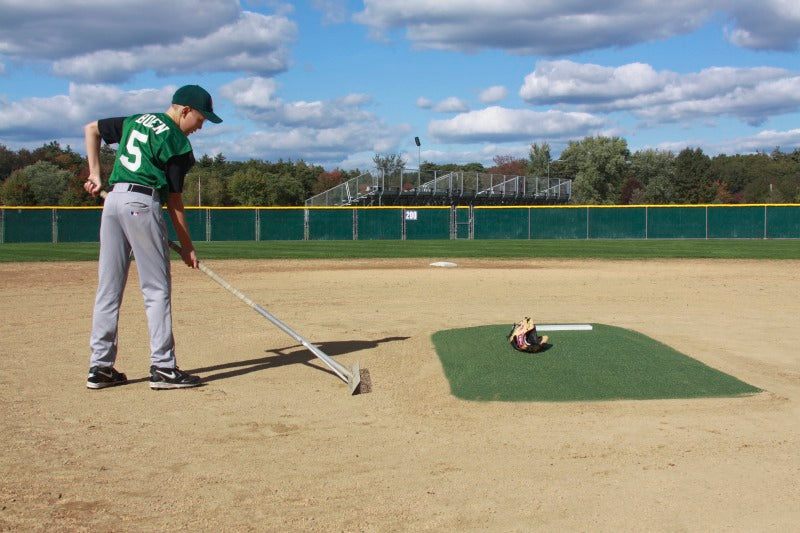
604, 363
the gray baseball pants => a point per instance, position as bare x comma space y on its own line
133, 222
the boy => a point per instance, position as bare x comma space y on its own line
152, 160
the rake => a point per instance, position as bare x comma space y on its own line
351, 376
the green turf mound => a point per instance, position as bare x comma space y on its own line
606, 363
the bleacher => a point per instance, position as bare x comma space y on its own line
412, 187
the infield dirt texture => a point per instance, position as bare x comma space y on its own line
274, 442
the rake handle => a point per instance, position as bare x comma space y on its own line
340, 370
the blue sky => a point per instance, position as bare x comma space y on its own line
334, 82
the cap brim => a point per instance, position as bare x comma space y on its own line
210, 115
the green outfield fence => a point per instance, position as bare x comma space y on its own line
752, 221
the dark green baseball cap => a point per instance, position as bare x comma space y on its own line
197, 98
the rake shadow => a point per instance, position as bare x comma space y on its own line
284, 356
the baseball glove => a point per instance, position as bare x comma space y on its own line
523, 337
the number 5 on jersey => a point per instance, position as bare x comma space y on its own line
133, 163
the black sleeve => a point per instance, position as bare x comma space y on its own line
111, 129
176, 170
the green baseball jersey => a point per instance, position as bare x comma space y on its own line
148, 141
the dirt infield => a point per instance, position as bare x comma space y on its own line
273, 441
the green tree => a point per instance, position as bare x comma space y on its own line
48, 182
211, 185
41, 183
630, 191
600, 166
48, 152
25, 158
307, 176
733, 172
192, 185
391, 164
508, 165
540, 160
772, 179
655, 170
693, 180
9, 162
216, 190
327, 180
787, 170
756, 178
285, 190
204, 162
250, 187
16, 190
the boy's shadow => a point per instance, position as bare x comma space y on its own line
288, 355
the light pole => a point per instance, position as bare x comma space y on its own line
548, 167
199, 203
548, 173
419, 164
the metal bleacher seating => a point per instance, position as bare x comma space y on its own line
410, 188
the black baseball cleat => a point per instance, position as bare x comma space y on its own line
102, 377
171, 378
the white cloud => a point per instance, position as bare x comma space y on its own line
493, 94
256, 99
499, 124
252, 93
541, 28
324, 131
765, 25
752, 103
320, 131
560, 28
750, 94
333, 11
254, 43
451, 105
32, 119
36, 30
763, 141
483, 153
90, 41
555, 82
320, 146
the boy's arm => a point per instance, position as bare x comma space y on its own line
178, 216
92, 134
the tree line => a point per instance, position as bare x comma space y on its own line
603, 170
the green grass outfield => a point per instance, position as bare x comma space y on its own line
606, 363
442, 249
